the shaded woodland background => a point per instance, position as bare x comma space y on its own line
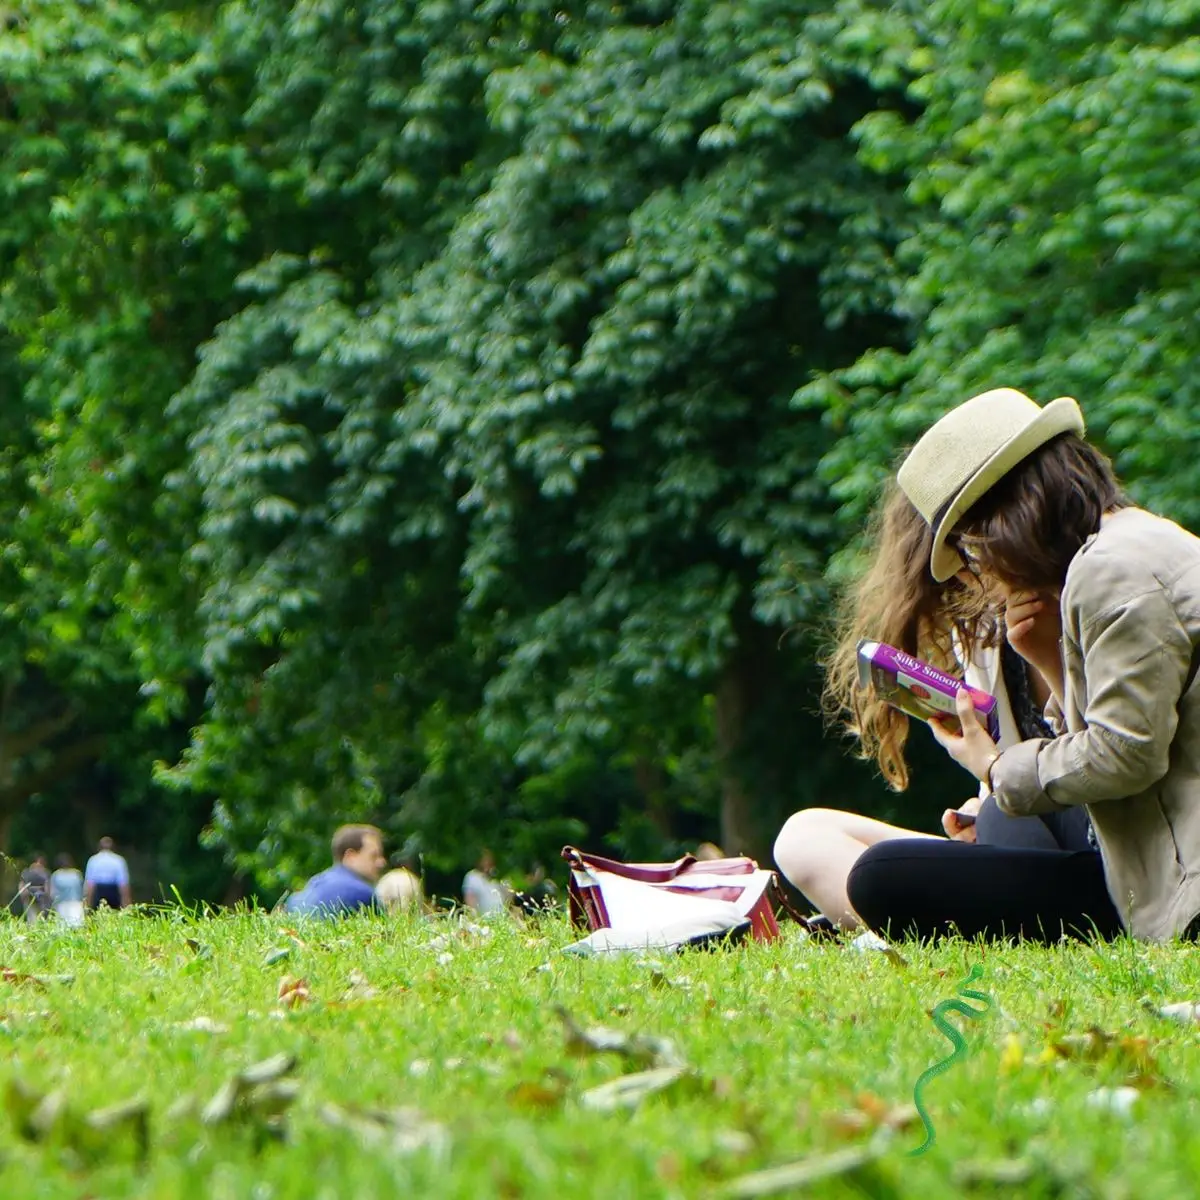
460, 415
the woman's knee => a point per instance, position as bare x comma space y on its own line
799, 843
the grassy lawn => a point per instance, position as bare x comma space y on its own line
793, 1051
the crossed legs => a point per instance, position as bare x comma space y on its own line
817, 848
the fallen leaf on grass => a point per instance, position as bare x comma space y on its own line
49, 1118
359, 989
278, 954
132, 1115
293, 992
401, 1130
808, 1170
659, 978
734, 1143
267, 1070
36, 1014
867, 942
1118, 1100
1090, 1046
534, 1094
628, 1091
643, 1048
258, 1094
202, 1025
1133, 1054
871, 1113
1005, 1172
51, 1114
182, 1109
1185, 1011
8, 975
1039, 1106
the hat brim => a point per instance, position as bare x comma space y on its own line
1059, 416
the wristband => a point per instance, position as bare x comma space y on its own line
987, 771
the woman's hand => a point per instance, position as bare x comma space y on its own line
1033, 626
954, 827
972, 748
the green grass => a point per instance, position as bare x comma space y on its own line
782, 1039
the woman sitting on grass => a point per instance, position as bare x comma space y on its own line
898, 602
1012, 493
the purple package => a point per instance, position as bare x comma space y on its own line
916, 688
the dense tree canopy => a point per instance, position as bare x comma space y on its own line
1053, 175
455, 413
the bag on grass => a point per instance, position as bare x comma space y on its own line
667, 905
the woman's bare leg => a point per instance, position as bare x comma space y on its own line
817, 847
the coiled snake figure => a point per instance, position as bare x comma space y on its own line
956, 1040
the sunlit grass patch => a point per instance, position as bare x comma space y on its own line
445, 1058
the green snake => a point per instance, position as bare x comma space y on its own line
956, 1040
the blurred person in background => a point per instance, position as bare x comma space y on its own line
35, 889
106, 878
400, 889
349, 885
66, 891
539, 894
482, 892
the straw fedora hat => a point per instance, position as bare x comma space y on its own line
971, 448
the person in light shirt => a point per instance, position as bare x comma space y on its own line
66, 891
106, 878
481, 891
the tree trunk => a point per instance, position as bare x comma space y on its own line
9, 871
734, 696
650, 778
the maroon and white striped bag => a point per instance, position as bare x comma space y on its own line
721, 894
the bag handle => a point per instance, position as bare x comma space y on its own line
642, 872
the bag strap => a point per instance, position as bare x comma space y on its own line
780, 897
642, 872
818, 926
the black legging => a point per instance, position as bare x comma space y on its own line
923, 887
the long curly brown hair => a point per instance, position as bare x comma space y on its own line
898, 602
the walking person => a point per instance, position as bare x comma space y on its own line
66, 891
106, 878
35, 889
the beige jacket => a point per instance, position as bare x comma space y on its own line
1130, 742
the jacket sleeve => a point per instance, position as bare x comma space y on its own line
1136, 655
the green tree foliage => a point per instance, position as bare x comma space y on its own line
1053, 180
447, 410
500, 475
122, 183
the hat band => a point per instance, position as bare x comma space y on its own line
955, 492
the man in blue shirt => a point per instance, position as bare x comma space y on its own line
106, 878
349, 884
